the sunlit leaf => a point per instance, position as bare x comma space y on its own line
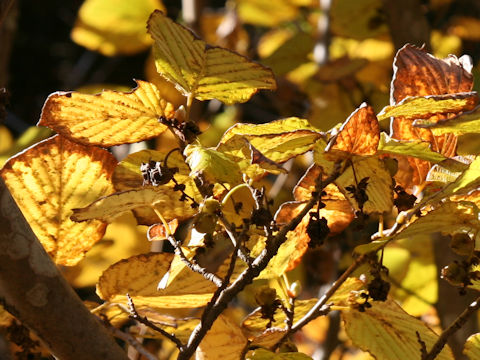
268, 338
263, 354
202, 71
448, 218
110, 207
114, 27
371, 246
212, 165
127, 176
48, 180
122, 239
417, 73
346, 21
187, 291
415, 107
359, 134
291, 54
261, 12
224, 340
466, 123
472, 347
137, 275
109, 118
158, 232
255, 323
388, 332
418, 149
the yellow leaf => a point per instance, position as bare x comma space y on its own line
264, 13
268, 338
202, 71
29, 137
137, 275
449, 218
387, 332
472, 347
6, 139
140, 275
213, 165
48, 180
109, 118
278, 140
255, 323
346, 21
114, 27
466, 123
224, 341
127, 176
379, 188
122, 239
263, 354
420, 107
418, 149
110, 207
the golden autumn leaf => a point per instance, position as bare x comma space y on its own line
417, 73
114, 27
225, 340
158, 232
140, 276
202, 71
137, 275
387, 332
268, 338
263, 354
472, 347
359, 135
49, 179
127, 176
111, 206
109, 118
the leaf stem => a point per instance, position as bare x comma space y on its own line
232, 191
456, 325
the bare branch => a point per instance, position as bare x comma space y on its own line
129, 339
143, 319
456, 325
192, 265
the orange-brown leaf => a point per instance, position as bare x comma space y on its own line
417, 73
359, 135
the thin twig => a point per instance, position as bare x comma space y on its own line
193, 265
456, 325
235, 239
129, 339
146, 322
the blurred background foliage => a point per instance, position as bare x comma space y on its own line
329, 56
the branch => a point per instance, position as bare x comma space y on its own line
35, 292
247, 276
143, 319
457, 324
192, 265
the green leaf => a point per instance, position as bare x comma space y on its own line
466, 123
263, 354
387, 332
472, 347
202, 71
415, 107
417, 149
213, 165
371, 246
